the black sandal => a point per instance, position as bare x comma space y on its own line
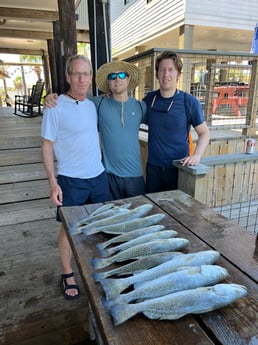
65, 286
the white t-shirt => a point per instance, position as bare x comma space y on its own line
72, 126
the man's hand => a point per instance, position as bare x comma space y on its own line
191, 160
51, 100
56, 195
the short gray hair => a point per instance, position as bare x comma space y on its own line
69, 61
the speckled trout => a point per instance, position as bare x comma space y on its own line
145, 249
183, 279
178, 304
137, 212
130, 235
137, 266
128, 225
113, 287
139, 240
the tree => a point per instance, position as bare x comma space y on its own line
33, 59
18, 84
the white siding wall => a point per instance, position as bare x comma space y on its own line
231, 14
136, 22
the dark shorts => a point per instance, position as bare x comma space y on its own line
160, 179
125, 187
77, 191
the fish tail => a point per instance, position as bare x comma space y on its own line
110, 303
88, 232
75, 231
104, 253
98, 263
112, 287
122, 312
108, 252
101, 245
98, 276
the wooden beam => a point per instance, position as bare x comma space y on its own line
82, 35
22, 63
20, 51
28, 14
26, 34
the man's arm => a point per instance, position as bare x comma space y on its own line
56, 194
203, 140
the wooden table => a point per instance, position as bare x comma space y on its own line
205, 229
236, 96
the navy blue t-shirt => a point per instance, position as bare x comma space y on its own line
169, 125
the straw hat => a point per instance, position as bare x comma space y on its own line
117, 66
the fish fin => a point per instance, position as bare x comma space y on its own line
99, 263
122, 312
153, 315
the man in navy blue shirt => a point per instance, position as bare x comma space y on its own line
171, 113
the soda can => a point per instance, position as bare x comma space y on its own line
250, 146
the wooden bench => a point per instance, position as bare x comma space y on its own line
26, 104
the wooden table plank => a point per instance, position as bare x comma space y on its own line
231, 240
188, 330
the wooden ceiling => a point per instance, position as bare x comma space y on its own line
25, 25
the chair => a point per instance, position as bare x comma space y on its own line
26, 104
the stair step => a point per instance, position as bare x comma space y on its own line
24, 191
22, 172
20, 156
27, 211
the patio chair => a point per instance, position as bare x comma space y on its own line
25, 105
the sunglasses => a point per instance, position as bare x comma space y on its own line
120, 75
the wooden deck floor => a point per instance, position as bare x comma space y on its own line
32, 309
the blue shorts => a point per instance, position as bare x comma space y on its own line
77, 191
160, 179
125, 187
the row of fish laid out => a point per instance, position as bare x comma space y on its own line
153, 275
116, 220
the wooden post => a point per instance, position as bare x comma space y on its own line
58, 57
191, 180
46, 72
252, 102
52, 64
68, 34
99, 23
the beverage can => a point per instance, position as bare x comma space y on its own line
250, 146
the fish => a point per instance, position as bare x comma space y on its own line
113, 287
139, 240
144, 249
130, 235
105, 214
182, 279
138, 265
138, 212
129, 225
77, 227
176, 305
102, 208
